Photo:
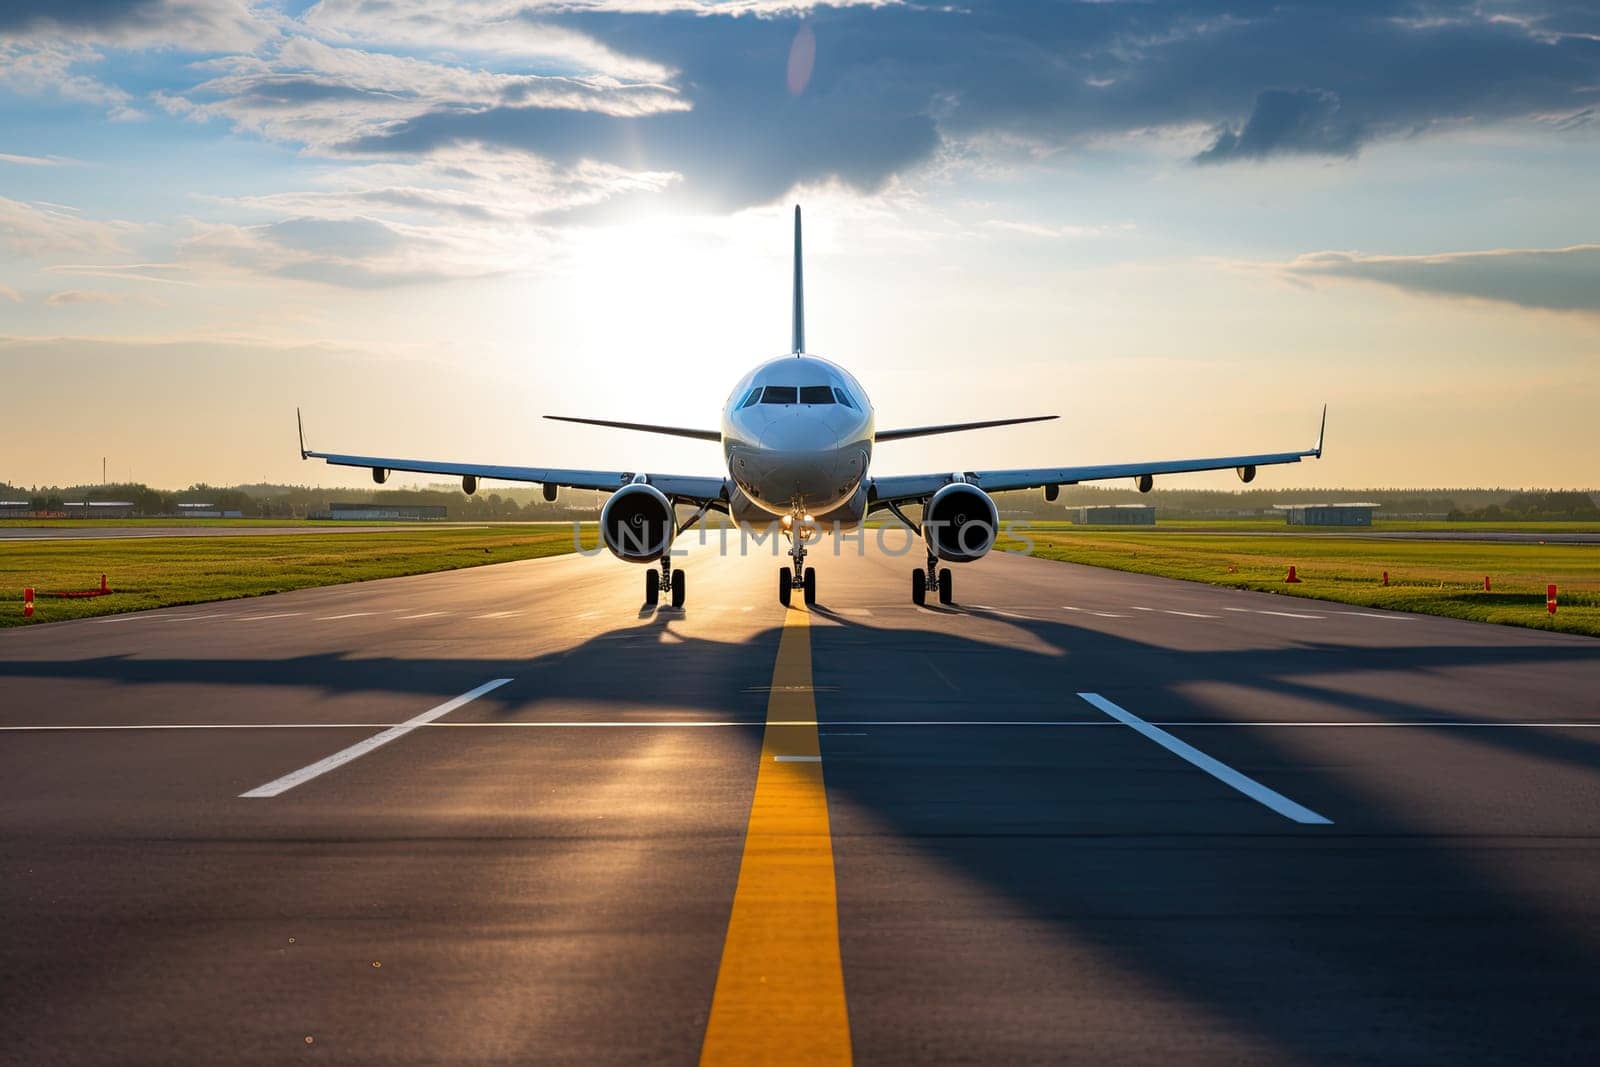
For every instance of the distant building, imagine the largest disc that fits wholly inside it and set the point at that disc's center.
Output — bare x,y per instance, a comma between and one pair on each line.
99,509
14,508
391,512
1328,514
1114,515
208,511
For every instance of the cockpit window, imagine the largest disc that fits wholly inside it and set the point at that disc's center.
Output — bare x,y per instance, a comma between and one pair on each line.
844,397
751,397
816,394
778,394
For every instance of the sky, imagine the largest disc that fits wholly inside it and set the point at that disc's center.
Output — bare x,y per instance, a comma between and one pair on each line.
1183,227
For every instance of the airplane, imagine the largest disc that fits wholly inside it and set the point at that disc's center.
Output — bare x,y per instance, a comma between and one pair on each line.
797,437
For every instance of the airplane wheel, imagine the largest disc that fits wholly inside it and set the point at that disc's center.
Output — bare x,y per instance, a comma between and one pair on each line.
677,589
946,586
811,585
784,585
652,587
919,587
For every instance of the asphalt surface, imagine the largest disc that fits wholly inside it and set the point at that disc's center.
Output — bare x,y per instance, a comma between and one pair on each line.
546,873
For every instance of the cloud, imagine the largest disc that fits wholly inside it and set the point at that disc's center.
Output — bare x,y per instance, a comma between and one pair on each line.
68,297
359,253
37,161
167,273
1068,230
1558,279
317,95
896,86
40,230
194,25
10,294
48,68
1308,122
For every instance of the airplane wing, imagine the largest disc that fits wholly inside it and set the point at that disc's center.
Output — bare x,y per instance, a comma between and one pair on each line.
909,487
646,427
688,487
953,427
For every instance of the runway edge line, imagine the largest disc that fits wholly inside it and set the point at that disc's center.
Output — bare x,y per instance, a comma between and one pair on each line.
780,986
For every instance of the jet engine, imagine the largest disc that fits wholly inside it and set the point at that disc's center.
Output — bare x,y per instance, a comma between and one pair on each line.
637,524
960,523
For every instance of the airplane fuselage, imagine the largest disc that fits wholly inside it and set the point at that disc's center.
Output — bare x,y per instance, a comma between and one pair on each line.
797,436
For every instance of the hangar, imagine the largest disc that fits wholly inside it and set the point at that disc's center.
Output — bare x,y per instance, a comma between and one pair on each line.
1327,514
1114,515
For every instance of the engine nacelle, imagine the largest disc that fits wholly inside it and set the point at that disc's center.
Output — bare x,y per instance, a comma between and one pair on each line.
1246,474
960,523
380,475
638,524
1145,482
469,484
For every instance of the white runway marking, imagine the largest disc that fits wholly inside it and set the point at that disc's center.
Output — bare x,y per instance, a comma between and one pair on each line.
274,615
1004,613
1216,768
347,615
850,611
141,617
1280,614
796,759
508,614
1375,615
425,615
1097,614
376,741
1185,614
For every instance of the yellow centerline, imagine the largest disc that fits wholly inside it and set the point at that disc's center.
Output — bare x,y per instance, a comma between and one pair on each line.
780,988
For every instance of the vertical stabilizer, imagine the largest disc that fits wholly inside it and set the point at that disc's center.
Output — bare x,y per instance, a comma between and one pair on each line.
799,291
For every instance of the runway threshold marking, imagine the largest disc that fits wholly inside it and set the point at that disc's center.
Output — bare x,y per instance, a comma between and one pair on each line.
305,774
779,996
1214,767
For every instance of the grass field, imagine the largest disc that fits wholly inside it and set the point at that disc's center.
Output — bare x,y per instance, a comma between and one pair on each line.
162,571
1432,577
1275,525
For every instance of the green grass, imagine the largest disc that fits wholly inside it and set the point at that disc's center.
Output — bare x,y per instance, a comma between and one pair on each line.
1431,577
1276,525
307,524
161,571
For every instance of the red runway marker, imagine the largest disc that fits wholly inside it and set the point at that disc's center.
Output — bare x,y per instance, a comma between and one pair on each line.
1550,599
27,603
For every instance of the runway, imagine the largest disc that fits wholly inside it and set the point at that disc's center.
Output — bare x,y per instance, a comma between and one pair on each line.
504,815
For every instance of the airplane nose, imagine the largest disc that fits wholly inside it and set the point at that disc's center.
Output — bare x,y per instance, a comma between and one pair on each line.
798,433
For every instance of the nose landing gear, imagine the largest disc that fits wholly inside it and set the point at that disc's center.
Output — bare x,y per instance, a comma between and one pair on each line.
799,576
666,581
934,579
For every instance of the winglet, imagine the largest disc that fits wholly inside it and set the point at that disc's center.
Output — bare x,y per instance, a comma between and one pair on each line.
799,345
301,426
1321,431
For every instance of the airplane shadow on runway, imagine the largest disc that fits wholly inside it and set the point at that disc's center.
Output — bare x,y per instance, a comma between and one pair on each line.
1377,938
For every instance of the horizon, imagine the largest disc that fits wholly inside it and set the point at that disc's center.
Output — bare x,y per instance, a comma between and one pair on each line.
430,224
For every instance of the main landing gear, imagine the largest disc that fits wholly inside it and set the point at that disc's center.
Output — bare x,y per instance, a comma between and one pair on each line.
935,578
799,576
666,581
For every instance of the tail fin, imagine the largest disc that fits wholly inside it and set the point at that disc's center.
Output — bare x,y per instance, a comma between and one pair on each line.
799,291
